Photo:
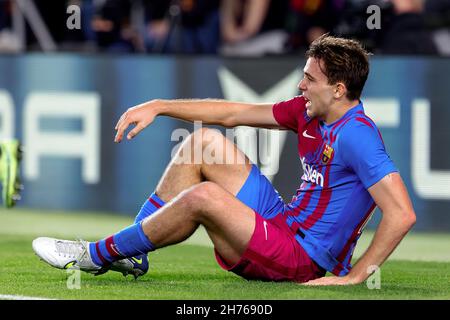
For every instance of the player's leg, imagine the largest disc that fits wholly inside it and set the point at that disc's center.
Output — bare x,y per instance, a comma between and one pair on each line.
205,155
228,221
229,167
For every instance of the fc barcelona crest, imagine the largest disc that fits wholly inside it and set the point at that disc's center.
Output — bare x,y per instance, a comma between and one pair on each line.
327,154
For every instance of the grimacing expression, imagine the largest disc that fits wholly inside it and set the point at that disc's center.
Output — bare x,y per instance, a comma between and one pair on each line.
315,89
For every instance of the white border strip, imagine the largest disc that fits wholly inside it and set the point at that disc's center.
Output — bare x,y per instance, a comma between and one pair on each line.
15,297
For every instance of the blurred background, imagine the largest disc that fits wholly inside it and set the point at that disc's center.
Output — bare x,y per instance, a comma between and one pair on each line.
69,69
224,27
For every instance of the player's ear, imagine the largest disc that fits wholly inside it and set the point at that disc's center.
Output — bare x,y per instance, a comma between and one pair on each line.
340,90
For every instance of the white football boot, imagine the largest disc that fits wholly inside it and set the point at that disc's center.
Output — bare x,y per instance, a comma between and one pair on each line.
65,254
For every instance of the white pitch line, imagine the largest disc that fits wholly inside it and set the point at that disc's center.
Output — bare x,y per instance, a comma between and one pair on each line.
16,297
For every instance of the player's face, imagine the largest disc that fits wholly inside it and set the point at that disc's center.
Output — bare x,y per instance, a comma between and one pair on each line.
316,90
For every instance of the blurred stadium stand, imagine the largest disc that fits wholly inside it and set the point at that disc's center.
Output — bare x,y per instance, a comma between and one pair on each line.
232,27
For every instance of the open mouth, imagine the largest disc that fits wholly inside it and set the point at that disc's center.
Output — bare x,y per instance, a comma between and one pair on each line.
308,102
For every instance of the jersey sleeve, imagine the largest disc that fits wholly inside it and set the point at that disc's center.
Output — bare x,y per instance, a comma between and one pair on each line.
363,151
289,113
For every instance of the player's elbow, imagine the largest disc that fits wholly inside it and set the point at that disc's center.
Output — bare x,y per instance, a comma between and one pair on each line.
228,122
412,219
403,218
408,218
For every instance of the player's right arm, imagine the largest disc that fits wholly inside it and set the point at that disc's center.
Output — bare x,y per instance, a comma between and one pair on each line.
209,111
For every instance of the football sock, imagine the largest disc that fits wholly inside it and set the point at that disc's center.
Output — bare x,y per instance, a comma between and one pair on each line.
131,239
128,242
150,206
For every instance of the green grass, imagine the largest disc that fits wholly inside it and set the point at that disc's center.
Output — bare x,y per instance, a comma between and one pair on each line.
189,271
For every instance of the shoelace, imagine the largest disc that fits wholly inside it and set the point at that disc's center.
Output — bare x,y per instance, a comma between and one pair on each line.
70,249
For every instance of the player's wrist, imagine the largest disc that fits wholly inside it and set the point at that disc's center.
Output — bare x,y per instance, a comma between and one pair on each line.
158,106
355,278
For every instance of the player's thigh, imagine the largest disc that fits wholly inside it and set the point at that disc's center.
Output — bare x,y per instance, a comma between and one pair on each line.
228,222
223,162
226,165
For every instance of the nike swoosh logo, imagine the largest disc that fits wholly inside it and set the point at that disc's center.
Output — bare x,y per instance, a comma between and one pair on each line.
138,261
306,135
265,227
113,248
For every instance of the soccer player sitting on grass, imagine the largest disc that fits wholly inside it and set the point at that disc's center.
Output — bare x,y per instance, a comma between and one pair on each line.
347,173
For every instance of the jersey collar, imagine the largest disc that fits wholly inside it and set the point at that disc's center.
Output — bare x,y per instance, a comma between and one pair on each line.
358,108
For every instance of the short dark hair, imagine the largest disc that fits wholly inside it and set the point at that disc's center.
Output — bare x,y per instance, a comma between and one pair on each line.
344,60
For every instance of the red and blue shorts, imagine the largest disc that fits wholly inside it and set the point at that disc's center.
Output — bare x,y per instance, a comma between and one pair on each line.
272,253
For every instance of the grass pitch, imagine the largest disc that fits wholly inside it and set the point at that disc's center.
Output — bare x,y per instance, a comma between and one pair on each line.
419,269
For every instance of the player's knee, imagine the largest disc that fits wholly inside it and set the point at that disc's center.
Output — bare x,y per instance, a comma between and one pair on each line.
207,136
203,196
206,192
197,139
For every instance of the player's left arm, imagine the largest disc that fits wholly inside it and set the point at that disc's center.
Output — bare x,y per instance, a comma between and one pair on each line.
398,218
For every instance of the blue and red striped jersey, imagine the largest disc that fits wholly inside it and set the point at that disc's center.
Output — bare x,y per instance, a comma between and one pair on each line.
340,162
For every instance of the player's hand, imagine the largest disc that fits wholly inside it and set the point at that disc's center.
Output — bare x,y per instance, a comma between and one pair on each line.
331,281
140,116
